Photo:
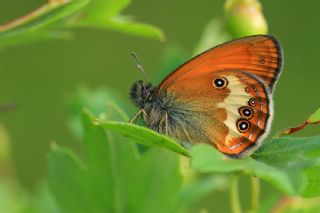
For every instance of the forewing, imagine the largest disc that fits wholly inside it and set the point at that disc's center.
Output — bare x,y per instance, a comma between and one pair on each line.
260,55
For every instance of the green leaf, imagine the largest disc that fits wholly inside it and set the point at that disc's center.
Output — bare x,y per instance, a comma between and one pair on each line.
107,15
213,34
289,164
205,158
289,151
125,25
299,157
33,36
315,117
144,136
202,187
101,9
114,177
100,101
311,182
56,17
49,13
172,58
73,193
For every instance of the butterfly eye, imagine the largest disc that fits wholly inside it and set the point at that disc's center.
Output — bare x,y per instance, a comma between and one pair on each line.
246,112
243,125
145,93
252,102
220,83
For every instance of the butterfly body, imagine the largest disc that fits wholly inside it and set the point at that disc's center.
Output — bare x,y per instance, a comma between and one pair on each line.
221,97
165,114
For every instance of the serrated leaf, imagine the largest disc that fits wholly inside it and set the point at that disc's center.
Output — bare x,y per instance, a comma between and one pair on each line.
299,157
289,151
207,159
72,194
114,177
144,136
289,164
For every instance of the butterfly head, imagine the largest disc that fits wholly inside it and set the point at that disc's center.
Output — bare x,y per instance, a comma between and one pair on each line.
141,93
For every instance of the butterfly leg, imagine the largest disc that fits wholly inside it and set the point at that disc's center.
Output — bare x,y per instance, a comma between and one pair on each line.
144,113
166,123
135,118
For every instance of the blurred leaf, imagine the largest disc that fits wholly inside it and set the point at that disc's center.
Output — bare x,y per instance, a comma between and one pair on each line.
311,182
202,187
144,136
205,158
98,101
56,17
70,183
268,203
31,26
123,24
115,178
171,59
43,200
33,36
213,34
313,119
101,9
296,205
106,15
14,199
49,13
289,164
126,25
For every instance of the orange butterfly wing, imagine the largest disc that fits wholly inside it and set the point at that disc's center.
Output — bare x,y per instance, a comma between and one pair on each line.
260,54
233,118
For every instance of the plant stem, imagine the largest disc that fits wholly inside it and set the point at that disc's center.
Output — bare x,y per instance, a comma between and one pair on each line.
234,194
255,193
50,5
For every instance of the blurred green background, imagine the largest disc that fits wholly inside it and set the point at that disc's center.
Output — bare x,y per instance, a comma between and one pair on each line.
42,76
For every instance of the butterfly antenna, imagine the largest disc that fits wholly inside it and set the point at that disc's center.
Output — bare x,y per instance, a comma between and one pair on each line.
139,65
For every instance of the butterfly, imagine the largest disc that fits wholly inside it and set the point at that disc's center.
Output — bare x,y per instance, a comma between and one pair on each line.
221,97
